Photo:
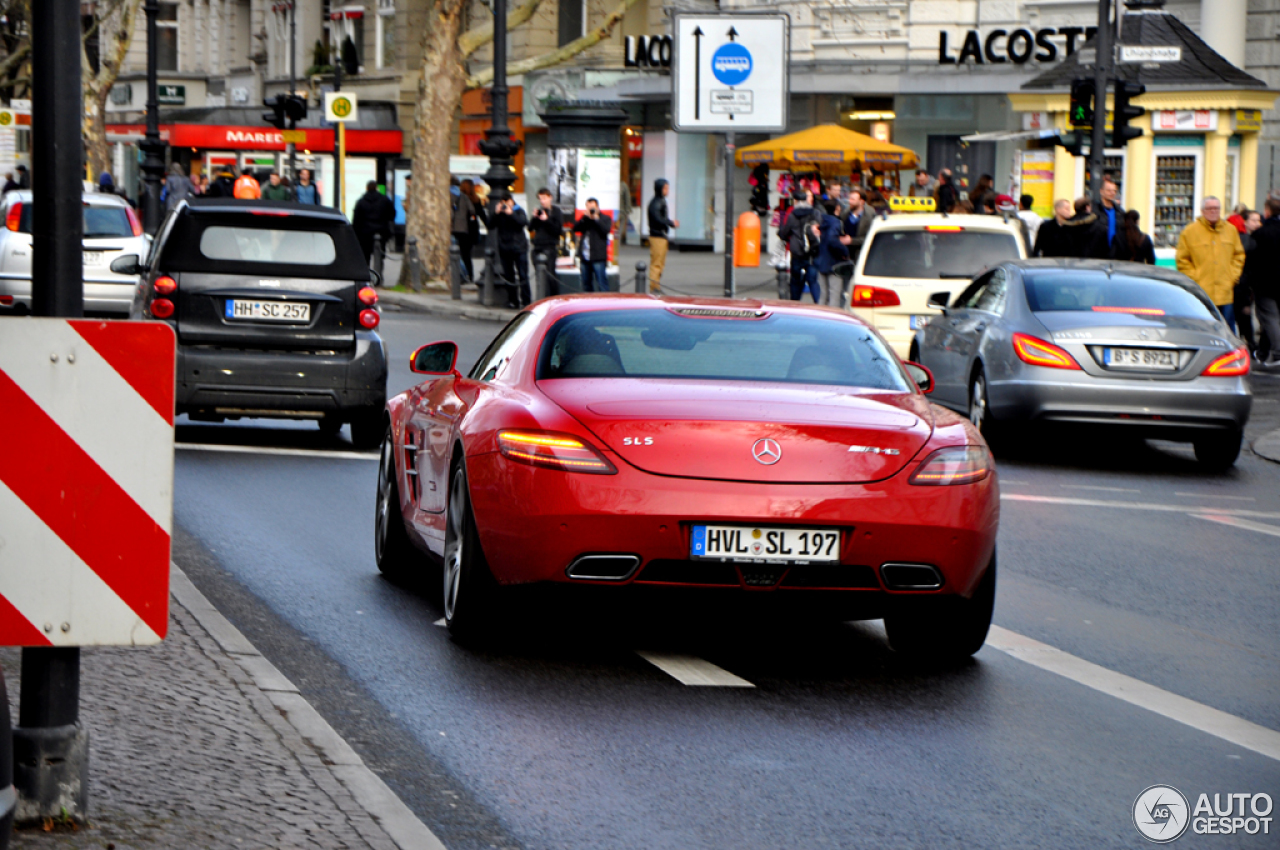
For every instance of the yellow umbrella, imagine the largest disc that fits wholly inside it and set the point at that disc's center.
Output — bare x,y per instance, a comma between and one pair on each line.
826,146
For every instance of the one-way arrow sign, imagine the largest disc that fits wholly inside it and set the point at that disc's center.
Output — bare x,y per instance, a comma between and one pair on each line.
746,75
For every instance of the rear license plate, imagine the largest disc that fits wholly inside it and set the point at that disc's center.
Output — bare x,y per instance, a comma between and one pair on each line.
271,311
779,545
918,322
93,258
1140,358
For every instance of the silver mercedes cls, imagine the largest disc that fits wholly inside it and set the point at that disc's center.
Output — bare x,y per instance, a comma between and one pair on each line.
1090,342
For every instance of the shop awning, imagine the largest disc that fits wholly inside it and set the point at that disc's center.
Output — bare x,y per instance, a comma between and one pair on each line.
825,146
1012,135
259,138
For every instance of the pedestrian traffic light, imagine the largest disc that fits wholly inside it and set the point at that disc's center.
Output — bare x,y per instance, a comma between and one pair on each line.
1121,132
1082,103
295,107
760,188
276,117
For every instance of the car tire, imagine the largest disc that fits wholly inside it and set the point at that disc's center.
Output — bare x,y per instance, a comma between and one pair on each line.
470,591
1218,451
943,630
330,426
394,553
980,408
367,428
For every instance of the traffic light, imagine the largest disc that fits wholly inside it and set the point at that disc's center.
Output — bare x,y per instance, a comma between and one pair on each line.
295,107
1073,142
760,189
1121,132
276,117
1082,101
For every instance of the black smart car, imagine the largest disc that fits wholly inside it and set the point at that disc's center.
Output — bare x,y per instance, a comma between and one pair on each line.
274,310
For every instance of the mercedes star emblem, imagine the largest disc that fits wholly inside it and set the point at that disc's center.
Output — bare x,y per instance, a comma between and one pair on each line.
767,451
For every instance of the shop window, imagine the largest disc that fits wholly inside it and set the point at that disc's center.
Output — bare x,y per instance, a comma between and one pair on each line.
385,35
573,20
167,37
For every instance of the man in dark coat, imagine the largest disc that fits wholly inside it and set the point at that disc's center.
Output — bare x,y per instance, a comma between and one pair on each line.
546,224
513,248
800,232
1053,239
1088,231
593,230
946,191
660,226
1266,285
373,214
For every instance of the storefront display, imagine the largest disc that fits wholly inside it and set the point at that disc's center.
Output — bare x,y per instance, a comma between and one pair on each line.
1175,192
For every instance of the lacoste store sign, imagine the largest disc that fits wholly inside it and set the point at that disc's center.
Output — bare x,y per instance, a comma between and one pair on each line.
1020,46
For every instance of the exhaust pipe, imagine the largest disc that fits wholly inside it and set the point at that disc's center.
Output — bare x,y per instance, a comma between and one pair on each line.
910,576
603,567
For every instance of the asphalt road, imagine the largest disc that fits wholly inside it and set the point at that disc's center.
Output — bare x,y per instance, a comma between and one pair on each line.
1124,556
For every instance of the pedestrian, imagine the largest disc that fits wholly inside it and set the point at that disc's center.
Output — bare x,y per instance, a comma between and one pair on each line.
924,186
660,226
306,192
9,183
201,185
1210,253
372,215
106,183
246,186
1029,219
983,193
513,249
24,177
833,254
276,190
1266,286
1111,209
1131,244
465,225
223,185
177,187
1242,298
1088,233
593,230
1238,217
857,224
947,196
802,236
546,225
1053,238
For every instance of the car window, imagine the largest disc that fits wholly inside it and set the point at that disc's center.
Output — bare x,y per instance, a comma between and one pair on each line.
992,297
100,222
1073,291
969,298
937,251
162,235
263,245
665,344
490,364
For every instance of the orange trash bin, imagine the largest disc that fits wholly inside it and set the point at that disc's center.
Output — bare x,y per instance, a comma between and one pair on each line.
746,241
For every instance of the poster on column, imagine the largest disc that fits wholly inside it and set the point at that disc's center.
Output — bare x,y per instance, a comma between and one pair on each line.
1037,181
599,176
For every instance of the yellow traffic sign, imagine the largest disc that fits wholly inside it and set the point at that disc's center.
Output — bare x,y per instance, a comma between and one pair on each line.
340,106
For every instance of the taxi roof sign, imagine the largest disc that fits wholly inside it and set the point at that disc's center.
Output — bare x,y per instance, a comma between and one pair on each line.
902,203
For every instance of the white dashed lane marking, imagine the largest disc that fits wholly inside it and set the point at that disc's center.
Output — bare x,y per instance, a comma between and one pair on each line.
1137,506
1237,522
1215,496
1103,489
691,670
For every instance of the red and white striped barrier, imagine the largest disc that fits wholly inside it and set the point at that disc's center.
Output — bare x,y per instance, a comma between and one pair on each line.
86,481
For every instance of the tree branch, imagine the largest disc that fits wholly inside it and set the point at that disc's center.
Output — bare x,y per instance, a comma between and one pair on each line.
476,37
555,57
14,59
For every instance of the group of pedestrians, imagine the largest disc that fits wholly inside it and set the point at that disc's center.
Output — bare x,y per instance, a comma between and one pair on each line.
824,243
1078,230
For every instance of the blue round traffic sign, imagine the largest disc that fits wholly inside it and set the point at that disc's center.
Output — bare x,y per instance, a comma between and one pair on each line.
731,64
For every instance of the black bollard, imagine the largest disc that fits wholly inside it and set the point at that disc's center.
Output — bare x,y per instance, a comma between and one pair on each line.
415,264
487,295
455,270
784,281
540,275
642,277
378,258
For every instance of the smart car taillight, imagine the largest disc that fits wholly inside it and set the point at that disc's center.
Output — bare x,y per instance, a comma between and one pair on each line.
162,308
953,465
553,450
1037,352
165,285
1232,364
13,217
874,296
368,296
369,319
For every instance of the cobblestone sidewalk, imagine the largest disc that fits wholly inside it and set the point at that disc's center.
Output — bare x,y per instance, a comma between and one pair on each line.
188,750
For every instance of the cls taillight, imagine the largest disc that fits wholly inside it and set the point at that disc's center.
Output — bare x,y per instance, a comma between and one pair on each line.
1037,352
165,285
953,465
134,221
13,217
552,450
1232,364
162,308
874,296
368,296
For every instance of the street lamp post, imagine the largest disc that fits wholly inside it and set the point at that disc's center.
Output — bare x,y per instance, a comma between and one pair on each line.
498,144
152,146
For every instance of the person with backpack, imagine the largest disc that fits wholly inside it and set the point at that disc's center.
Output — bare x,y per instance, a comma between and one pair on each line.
832,253
802,235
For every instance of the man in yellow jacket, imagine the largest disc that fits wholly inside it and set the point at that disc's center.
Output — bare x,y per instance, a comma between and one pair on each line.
1210,253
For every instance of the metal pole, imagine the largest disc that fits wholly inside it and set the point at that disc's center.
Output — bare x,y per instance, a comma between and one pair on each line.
539,275
152,146
378,256
1101,73
455,267
50,748
730,284
642,277
337,160
497,145
293,61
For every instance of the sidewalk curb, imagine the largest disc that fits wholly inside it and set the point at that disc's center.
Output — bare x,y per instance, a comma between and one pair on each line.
423,303
366,787
1268,446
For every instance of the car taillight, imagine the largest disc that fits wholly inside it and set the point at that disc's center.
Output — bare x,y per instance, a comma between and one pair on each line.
368,296
1135,311
165,285
162,308
369,319
553,451
874,296
1037,352
953,465
13,217
134,221
1230,365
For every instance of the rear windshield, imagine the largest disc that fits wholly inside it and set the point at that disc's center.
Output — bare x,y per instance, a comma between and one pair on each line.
99,222
662,344
1097,293
936,254
304,247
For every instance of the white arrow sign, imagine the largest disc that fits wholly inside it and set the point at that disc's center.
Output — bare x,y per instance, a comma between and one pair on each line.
729,73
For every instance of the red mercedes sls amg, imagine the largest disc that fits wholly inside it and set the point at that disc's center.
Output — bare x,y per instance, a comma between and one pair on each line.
759,446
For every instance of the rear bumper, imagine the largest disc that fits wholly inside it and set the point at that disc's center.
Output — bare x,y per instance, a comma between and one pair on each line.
112,294
564,516
236,382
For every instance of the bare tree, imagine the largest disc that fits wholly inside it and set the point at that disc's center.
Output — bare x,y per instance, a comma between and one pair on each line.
114,22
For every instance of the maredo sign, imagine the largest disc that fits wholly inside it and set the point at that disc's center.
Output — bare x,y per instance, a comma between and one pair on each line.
214,137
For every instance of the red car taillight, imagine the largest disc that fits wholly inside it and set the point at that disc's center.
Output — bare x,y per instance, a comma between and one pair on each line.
162,308
13,217
1230,365
134,222
553,451
165,285
874,296
953,465
368,296
1037,352
369,319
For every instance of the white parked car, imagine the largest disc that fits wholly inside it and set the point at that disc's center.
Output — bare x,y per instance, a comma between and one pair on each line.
111,229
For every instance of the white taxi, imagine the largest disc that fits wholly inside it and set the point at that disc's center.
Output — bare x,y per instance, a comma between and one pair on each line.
909,257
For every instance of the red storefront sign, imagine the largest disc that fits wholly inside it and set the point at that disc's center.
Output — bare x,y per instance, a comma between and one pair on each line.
223,137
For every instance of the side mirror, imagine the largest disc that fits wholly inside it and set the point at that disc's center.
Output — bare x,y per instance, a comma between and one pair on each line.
127,264
438,358
939,300
921,375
